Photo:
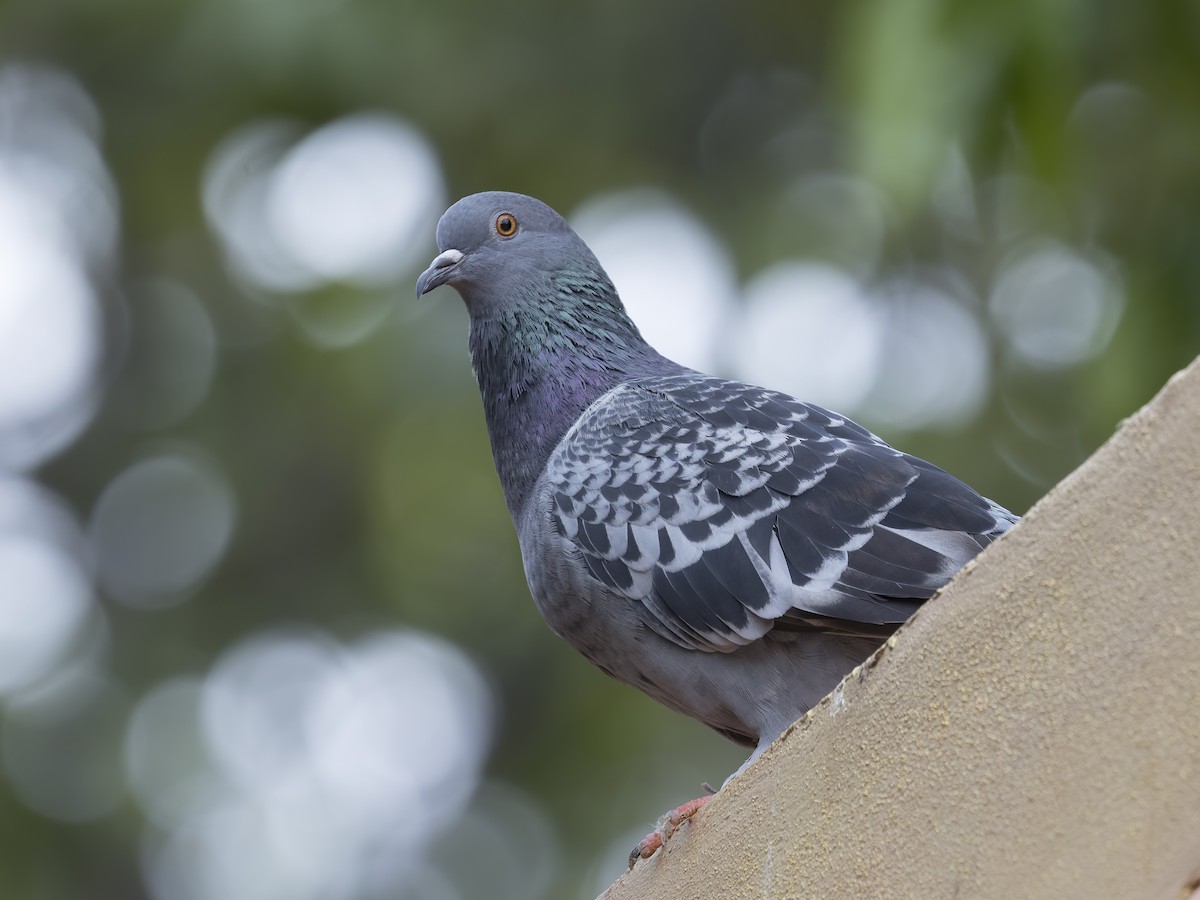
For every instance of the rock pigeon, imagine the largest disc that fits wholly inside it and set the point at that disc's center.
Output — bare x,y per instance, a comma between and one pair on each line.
728,549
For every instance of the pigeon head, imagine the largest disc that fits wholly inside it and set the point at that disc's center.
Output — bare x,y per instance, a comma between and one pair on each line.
497,247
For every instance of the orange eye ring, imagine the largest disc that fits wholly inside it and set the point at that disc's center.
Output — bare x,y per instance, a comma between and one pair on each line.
506,225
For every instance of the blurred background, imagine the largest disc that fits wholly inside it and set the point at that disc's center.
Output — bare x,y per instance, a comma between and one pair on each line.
264,631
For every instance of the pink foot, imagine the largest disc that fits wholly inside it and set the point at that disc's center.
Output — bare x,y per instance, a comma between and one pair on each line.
666,827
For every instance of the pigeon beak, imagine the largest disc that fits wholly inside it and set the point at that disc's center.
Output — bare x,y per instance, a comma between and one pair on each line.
439,271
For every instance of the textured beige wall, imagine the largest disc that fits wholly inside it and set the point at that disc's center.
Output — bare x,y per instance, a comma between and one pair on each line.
1033,732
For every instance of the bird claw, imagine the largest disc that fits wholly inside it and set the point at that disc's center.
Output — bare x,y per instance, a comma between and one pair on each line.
645,847
666,827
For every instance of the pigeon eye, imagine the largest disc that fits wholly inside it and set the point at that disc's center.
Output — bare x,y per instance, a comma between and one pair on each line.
506,224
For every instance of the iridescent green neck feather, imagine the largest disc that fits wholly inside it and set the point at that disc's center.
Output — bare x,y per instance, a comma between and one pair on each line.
541,358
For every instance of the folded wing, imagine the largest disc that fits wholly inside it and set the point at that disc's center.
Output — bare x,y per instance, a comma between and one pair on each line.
727,510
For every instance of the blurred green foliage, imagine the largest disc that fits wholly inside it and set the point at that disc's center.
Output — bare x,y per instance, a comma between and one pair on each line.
365,492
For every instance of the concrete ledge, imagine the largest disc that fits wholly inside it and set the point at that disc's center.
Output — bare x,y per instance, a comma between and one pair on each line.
1033,732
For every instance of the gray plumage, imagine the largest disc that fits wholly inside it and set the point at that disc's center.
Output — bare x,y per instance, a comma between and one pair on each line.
728,549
